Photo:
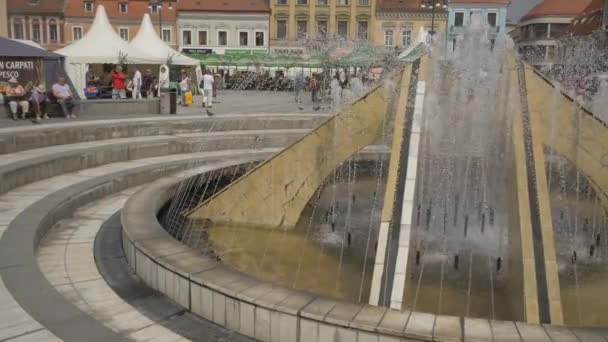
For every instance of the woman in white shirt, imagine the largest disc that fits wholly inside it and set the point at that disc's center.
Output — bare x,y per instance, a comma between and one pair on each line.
184,87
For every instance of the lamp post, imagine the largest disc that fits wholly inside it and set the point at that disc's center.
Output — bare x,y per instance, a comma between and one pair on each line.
157,6
434,5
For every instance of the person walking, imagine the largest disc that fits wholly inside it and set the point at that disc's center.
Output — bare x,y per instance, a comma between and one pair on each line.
16,97
314,88
63,94
146,84
137,85
118,84
208,90
299,86
184,87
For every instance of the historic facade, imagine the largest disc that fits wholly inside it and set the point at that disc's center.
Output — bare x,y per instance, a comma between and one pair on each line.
3,19
125,17
493,14
223,27
398,22
540,30
38,20
293,21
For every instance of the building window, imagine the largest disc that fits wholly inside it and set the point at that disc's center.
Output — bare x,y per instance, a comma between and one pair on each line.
124,33
302,2
222,38
88,7
281,2
322,2
166,35
53,31
281,29
343,28
459,19
539,31
154,9
18,29
302,27
322,28
36,31
362,30
388,38
76,33
187,37
406,38
492,19
123,7
259,39
202,37
243,38
343,2
363,2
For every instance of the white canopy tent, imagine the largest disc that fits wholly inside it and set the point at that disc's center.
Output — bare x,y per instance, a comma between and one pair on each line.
101,44
148,42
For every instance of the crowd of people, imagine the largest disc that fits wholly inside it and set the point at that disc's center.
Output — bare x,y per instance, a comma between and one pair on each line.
33,101
119,85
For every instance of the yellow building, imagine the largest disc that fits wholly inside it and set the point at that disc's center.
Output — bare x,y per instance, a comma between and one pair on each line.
3,19
398,22
292,21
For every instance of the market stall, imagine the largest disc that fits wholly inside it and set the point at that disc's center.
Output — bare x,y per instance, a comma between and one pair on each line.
100,45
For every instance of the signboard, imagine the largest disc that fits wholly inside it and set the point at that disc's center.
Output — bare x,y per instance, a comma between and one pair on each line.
199,51
244,52
287,51
24,70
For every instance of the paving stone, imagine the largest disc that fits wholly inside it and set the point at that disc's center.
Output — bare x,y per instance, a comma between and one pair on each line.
504,331
447,328
394,322
477,330
318,308
420,325
343,313
309,331
529,332
368,318
262,324
560,334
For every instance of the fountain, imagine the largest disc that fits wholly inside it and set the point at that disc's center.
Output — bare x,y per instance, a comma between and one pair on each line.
484,204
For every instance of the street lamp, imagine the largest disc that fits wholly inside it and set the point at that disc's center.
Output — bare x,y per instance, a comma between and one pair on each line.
157,6
434,5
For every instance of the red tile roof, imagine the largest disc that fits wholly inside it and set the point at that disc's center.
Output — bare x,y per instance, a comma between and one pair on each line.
241,6
589,20
556,8
34,6
135,11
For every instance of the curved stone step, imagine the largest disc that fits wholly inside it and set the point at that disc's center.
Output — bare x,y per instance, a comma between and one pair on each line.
17,139
66,258
20,168
29,211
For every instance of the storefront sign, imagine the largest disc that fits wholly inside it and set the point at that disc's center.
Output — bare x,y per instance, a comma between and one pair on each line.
22,70
287,51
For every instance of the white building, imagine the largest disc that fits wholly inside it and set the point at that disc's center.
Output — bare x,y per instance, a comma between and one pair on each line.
223,27
540,29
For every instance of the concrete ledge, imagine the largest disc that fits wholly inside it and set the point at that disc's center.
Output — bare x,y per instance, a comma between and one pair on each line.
122,107
17,139
23,168
18,264
268,312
